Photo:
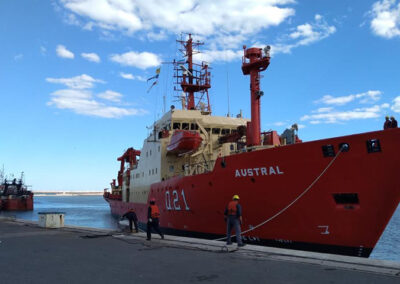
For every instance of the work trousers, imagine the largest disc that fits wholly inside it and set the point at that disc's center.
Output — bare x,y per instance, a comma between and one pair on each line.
136,225
233,223
155,225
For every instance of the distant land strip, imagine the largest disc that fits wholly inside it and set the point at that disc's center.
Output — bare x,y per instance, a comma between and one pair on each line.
66,193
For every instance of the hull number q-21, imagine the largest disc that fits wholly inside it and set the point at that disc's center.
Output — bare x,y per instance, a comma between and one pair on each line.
174,202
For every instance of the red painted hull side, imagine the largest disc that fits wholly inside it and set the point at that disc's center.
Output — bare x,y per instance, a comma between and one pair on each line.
17,203
373,176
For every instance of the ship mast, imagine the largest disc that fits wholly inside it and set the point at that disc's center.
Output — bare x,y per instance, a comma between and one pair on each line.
253,63
192,78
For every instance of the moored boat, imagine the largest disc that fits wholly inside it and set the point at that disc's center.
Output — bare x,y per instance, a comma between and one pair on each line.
15,195
333,195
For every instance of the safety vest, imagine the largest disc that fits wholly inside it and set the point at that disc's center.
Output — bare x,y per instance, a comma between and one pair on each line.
232,207
155,213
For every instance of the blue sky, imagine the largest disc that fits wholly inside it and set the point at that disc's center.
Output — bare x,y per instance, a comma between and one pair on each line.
73,74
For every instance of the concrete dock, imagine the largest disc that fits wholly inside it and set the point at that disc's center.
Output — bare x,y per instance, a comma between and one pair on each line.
30,254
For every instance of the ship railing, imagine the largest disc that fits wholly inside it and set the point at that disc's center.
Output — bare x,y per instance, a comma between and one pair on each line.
198,168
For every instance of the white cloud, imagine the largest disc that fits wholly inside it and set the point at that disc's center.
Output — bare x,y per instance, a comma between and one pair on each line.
157,36
279,123
218,55
82,102
91,57
110,96
142,60
396,104
18,57
129,76
332,115
323,109
386,18
71,19
303,35
341,116
63,52
366,97
234,20
43,50
78,82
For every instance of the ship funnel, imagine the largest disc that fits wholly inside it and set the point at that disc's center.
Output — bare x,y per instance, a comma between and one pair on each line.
253,63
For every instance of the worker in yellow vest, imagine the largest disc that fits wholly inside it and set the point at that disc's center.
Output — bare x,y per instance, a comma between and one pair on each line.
233,218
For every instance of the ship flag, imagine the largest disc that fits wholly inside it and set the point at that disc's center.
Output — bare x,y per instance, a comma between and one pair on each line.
155,76
152,85
158,70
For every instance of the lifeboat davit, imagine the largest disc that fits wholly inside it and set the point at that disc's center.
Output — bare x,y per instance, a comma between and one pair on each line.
184,141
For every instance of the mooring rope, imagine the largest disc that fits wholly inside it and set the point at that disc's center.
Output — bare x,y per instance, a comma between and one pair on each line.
293,202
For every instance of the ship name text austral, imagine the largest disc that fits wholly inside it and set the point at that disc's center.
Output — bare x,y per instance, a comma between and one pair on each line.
262,171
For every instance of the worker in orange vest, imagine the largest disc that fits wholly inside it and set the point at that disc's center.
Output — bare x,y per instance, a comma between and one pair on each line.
153,215
233,218
131,216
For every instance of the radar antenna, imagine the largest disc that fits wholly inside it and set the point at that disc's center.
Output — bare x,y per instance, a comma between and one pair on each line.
192,78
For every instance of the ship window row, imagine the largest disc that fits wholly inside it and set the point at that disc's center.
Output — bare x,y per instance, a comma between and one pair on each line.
151,172
222,131
194,126
148,153
185,126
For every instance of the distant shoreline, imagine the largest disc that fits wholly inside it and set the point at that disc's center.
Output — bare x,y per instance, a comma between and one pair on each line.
67,193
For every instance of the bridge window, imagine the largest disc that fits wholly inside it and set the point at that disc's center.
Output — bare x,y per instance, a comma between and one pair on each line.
216,130
177,125
194,126
185,126
207,129
225,131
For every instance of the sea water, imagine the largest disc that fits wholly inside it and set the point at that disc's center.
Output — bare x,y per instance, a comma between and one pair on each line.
93,211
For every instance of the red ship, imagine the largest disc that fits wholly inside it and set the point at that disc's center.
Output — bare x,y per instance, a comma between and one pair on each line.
14,195
333,195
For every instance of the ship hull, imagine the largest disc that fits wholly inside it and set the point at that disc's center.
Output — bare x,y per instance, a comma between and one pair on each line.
299,195
17,203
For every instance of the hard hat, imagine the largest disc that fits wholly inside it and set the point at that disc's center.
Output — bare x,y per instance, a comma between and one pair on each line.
386,116
392,117
235,197
152,199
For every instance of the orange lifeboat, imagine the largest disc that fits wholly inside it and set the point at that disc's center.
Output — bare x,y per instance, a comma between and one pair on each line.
184,141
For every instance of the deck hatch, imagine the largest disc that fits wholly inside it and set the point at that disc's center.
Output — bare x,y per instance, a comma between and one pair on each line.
328,150
373,146
346,198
